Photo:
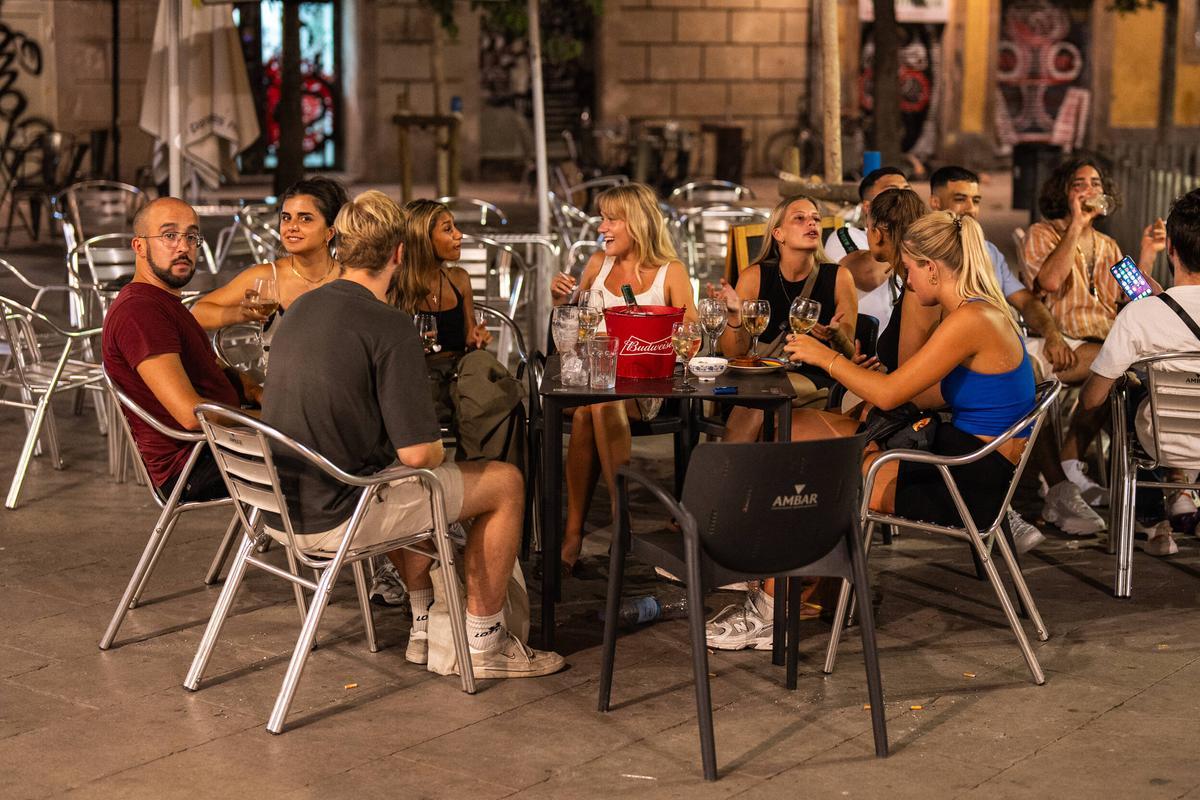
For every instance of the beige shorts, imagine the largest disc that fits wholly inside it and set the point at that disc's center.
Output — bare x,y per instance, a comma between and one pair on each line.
400,508
1036,347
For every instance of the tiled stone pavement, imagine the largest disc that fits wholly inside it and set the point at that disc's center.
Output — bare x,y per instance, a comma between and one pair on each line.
1117,715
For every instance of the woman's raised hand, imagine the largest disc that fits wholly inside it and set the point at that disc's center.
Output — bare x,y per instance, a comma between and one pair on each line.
561,288
728,294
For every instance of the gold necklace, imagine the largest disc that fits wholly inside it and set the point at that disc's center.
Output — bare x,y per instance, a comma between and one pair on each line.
305,278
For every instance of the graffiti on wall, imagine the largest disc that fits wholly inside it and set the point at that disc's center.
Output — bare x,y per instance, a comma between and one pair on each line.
920,57
20,56
1042,73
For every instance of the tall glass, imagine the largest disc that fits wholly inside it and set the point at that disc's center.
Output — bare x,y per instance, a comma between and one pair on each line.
564,326
803,315
591,312
714,315
685,339
755,316
602,361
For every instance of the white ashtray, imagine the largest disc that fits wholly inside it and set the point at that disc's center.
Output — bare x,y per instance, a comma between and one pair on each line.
708,368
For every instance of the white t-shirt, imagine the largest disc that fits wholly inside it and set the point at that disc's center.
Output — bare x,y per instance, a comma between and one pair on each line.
1144,328
1009,284
835,251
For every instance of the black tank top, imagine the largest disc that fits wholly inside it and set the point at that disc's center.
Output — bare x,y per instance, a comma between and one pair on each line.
451,324
780,293
887,346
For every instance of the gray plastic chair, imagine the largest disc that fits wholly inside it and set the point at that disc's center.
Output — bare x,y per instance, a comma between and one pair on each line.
981,542
1173,381
172,509
245,449
752,511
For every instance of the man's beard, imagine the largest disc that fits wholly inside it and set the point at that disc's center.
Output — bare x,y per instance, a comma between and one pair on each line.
168,277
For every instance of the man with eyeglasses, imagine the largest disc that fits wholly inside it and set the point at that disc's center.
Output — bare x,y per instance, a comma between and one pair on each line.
157,353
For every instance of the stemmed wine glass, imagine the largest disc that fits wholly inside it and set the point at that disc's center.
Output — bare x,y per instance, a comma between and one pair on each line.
591,311
803,315
685,339
427,329
755,315
262,299
713,317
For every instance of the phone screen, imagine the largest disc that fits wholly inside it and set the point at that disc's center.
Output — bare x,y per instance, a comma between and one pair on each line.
1130,279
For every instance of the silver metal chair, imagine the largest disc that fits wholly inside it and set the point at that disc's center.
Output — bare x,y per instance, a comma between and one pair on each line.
240,346
245,449
1173,383
172,509
703,234
571,223
499,275
37,378
257,236
982,542
580,194
694,193
39,290
472,213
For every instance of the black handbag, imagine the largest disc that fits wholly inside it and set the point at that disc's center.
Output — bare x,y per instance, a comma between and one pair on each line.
904,427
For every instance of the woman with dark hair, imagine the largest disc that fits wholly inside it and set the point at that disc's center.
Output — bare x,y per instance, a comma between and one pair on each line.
909,323
307,211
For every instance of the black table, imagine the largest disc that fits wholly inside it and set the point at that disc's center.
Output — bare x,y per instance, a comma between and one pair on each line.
769,391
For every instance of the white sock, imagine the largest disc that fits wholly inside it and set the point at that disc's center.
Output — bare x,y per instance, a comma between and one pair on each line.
421,601
485,633
1181,503
763,603
1073,468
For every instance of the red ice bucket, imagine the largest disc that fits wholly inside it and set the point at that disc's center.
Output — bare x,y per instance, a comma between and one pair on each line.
643,339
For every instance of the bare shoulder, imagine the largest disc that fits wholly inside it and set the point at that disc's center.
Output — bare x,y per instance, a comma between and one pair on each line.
460,278
748,282
676,270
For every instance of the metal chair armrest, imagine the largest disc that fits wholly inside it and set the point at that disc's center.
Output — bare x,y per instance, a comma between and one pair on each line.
38,315
141,413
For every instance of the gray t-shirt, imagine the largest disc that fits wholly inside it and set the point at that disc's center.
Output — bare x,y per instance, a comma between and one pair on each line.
347,378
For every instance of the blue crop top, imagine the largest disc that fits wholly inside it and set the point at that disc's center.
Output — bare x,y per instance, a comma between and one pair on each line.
987,405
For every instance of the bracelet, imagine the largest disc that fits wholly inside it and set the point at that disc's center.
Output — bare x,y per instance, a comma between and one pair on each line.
829,369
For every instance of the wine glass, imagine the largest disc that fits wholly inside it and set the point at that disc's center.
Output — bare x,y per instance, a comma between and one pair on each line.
713,317
685,340
755,316
427,329
262,299
803,315
564,327
591,311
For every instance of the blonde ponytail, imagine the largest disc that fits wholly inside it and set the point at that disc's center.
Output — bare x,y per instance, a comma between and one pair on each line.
957,242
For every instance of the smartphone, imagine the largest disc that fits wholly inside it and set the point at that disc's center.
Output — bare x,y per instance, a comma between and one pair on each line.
1130,279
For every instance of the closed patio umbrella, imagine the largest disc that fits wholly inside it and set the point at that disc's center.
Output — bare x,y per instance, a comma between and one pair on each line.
199,103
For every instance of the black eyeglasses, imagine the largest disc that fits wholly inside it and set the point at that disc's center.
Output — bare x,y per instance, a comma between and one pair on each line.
172,238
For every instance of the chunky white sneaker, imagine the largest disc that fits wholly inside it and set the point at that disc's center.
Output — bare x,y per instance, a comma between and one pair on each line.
417,651
737,627
1159,541
513,659
387,589
1092,493
1066,508
1026,536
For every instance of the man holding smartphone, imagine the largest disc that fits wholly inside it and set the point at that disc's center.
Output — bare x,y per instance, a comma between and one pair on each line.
1169,322
1068,261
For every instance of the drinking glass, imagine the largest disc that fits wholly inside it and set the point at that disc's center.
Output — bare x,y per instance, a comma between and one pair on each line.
713,317
591,311
427,329
685,339
803,315
564,326
755,316
261,298
1102,203
573,365
602,361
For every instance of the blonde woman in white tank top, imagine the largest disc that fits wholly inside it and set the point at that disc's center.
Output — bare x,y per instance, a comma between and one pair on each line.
638,252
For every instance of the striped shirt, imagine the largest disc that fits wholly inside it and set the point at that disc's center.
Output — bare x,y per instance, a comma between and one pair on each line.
1084,306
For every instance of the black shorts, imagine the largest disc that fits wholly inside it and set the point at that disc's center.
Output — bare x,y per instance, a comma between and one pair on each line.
204,483
921,492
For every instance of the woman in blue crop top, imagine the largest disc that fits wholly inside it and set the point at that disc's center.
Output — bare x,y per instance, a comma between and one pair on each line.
974,363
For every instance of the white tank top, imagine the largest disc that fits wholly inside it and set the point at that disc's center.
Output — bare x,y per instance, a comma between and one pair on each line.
877,303
656,295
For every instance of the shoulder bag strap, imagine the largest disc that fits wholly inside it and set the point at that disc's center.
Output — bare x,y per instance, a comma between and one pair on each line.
1183,315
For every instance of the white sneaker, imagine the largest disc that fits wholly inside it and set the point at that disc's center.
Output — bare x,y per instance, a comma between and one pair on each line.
1159,541
1026,536
738,627
387,588
1066,508
1092,493
417,650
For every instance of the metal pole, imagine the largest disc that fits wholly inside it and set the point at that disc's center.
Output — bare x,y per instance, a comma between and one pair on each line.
174,123
545,269
832,91
115,133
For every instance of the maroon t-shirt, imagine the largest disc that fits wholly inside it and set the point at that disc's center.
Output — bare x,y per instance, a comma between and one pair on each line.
147,321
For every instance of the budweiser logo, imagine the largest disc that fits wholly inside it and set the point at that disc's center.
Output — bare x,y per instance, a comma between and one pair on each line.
634,346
